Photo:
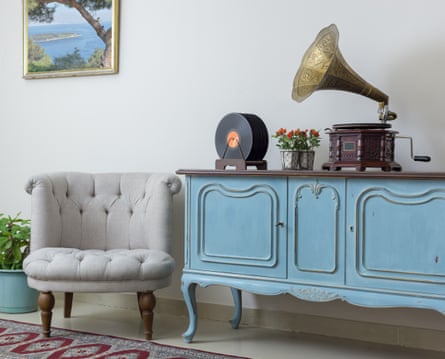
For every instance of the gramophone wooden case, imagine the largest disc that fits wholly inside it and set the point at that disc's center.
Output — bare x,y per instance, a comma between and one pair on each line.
361,146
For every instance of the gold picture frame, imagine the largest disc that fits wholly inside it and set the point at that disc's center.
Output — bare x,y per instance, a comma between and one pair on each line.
79,39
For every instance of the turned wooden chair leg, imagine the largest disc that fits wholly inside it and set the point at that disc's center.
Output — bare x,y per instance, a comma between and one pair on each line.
139,306
46,305
147,302
68,305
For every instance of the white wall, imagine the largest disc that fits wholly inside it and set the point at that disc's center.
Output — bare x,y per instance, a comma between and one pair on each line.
184,64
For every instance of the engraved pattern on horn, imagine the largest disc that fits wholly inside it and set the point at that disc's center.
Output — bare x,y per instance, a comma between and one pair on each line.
324,68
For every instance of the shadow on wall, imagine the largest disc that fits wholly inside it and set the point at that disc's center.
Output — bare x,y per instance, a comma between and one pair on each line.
419,80
178,243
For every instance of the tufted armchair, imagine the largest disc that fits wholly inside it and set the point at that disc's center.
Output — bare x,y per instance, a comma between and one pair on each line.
100,233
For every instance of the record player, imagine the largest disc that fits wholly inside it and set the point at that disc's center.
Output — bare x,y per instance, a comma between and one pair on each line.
357,145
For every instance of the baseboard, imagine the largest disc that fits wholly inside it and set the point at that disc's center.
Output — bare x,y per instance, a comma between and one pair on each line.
410,337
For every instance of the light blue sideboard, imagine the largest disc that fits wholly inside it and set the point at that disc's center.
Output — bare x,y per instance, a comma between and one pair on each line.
369,238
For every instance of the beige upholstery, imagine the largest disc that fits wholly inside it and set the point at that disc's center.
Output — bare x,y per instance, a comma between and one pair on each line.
100,233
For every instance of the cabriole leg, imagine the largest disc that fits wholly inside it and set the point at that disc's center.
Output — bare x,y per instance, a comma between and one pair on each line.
236,293
189,293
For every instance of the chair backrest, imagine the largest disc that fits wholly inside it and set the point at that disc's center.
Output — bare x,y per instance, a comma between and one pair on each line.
102,211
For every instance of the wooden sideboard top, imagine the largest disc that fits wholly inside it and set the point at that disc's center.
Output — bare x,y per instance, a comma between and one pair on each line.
332,174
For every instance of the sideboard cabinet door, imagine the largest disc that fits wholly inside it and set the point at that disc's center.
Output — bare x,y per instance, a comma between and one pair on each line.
239,225
316,230
396,235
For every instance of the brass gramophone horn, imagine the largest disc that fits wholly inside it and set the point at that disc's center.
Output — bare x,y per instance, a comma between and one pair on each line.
324,68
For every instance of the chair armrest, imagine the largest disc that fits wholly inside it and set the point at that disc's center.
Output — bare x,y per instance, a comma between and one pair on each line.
45,213
159,222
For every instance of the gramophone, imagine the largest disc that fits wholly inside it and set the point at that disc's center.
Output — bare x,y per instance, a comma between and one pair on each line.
359,145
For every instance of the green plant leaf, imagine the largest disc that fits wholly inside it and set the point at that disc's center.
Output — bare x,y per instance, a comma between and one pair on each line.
15,235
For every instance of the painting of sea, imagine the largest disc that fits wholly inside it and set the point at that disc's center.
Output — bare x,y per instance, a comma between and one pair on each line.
70,38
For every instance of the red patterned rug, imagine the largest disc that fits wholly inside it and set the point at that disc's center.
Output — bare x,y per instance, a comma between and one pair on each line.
23,340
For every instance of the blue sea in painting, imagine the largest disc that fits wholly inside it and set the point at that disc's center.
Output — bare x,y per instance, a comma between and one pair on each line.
87,41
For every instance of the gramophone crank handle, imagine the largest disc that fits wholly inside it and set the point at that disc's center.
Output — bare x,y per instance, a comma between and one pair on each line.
415,158
422,158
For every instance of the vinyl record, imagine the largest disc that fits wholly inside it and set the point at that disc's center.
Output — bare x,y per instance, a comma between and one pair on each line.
241,136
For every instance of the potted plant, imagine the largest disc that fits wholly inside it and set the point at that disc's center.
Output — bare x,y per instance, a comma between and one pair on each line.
297,147
15,295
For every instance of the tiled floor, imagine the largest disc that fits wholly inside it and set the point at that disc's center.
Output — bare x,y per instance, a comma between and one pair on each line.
219,337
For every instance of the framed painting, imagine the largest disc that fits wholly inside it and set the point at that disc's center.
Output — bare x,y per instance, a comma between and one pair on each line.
70,38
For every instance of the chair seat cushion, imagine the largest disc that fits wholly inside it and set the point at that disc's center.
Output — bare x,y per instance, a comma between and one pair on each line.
69,264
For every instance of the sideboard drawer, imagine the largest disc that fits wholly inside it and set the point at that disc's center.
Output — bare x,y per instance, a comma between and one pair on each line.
239,226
